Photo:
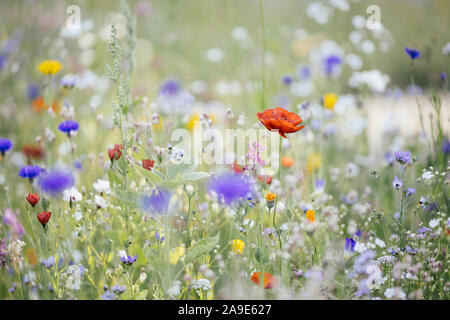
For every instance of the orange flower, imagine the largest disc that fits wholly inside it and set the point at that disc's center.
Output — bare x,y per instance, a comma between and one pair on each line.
310,215
39,105
269,280
287,161
281,120
31,256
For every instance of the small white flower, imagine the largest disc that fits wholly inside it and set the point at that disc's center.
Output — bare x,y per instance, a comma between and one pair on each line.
100,202
102,186
434,223
78,215
72,194
360,247
389,293
380,243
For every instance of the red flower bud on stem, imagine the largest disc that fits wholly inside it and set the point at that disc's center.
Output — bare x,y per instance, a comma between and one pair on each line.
43,217
33,199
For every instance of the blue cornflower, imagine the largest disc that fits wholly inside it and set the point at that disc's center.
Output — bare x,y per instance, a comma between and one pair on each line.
33,91
287,80
128,260
446,147
403,157
170,87
159,238
68,126
117,289
397,183
304,72
423,230
319,184
410,192
389,158
56,181
362,261
30,172
413,53
350,244
48,263
330,64
5,145
108,295
443,77
230,187
158,201
410,250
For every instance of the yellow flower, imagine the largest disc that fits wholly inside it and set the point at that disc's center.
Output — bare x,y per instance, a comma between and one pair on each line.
190,124
329,100
270,196
175,254
49,67
310,215
313,162
238,246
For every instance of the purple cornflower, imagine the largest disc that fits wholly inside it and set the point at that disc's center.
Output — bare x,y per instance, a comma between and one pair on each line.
230,187
48,263
170,87
362,261
128,260
287,80
30,172
350,244
319,184
158,201
117,289
330,64
422,202
10,218
5,145
410,192
159,238
403,157
423,230
68,126
446,147
304,72
443,77
410,250
397,183
413,53
33,91
56,181
389,158
108,295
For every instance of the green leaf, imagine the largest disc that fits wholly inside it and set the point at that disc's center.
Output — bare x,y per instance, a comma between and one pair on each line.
174,170
194,176
136,249
142,295
201,247
153,176
113,178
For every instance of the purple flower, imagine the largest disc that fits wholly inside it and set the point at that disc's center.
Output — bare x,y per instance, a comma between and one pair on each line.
68,126
48,263
10,218
410,192
5,145
304,73
108,295
389,158
410,250
403,157
170,87
443,77
117,289
56,181
128,260
287,80
331,63
159,238
33,91
319,184
413,53
230,187
30,172
158,201
350,244
362,289
446,147
423,230
397,183
362,261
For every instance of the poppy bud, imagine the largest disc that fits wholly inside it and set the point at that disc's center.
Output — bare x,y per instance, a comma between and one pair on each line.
116,152
147,164
43,217
33,199
265,179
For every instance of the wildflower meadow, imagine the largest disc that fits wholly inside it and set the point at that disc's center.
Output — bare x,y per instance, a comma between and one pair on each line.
217,150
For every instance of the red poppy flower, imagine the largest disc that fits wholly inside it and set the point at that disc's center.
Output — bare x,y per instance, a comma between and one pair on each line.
147,164
237,168
265,179
34,152
33,198
281,120
43,217
269,280
116,152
